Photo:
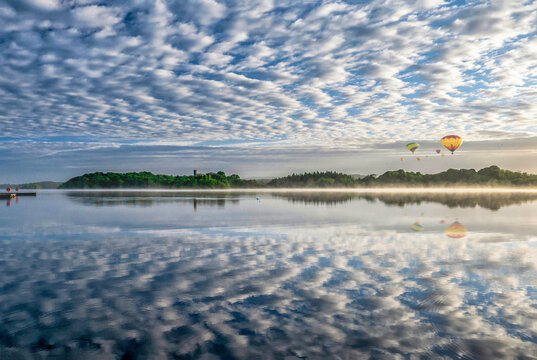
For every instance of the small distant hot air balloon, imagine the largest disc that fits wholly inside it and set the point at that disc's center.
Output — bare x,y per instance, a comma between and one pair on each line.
418,158
17,189
438,151
401,159
456,230
451,142
8,189
412,146
417,227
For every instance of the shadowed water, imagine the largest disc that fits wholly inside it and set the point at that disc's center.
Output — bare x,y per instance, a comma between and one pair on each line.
158,275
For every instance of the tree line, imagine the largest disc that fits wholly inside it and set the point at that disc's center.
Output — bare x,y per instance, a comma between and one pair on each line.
36,185
145,179
489,176
314,179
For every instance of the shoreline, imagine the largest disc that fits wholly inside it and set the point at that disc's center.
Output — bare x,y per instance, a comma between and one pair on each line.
391,190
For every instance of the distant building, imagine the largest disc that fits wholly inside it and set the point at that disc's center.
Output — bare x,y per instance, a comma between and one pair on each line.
195,172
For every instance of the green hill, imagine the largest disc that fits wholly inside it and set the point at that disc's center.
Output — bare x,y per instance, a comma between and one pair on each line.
489,176
315,179
141,180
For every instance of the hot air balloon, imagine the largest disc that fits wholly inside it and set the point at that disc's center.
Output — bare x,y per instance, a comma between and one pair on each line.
438,151
451,142
412,146
401,159
419,158
8,189
456,230
417,227
17,189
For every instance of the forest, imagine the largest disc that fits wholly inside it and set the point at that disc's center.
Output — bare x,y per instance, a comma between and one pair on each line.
145,179
489,176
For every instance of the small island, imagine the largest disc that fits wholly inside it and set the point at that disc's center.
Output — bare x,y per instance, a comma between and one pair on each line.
148,180
489,176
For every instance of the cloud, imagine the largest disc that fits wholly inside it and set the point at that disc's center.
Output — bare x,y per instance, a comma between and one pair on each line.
309,291
95,16
306,74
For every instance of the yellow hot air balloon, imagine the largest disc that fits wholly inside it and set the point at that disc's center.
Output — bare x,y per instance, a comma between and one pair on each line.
419,158
401,159
412,146
417,227
451,142
456,230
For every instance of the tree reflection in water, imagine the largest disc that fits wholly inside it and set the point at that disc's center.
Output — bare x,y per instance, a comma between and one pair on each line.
491,201
150,198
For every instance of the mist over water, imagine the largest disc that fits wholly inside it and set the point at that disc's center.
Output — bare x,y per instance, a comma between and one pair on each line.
242,275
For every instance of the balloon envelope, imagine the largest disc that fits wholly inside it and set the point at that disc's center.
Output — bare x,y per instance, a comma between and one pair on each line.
417,227
8,189
456,230
17,189
451,142
438,151
412,146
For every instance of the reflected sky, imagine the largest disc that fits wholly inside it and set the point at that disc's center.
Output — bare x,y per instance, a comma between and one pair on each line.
114,276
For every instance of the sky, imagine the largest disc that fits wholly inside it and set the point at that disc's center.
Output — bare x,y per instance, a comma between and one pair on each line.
264,88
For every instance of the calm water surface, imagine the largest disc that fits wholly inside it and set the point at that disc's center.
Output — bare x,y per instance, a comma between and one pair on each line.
158,275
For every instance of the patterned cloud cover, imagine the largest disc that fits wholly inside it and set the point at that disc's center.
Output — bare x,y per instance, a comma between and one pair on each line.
88,76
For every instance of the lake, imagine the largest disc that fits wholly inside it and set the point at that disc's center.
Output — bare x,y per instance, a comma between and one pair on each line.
268,275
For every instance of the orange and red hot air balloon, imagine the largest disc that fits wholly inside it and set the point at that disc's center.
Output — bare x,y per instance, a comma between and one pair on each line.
438,151
456,230
17,189
451,142
8,189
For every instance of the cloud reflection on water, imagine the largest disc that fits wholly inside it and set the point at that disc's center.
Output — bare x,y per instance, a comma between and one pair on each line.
268,279
336,292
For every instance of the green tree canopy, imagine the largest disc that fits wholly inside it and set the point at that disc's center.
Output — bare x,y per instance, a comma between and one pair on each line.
110,180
